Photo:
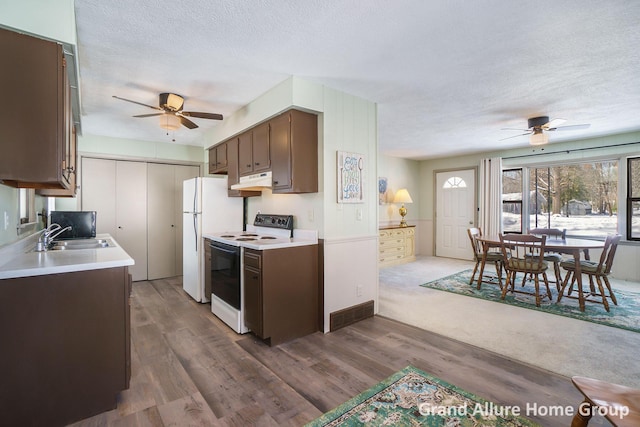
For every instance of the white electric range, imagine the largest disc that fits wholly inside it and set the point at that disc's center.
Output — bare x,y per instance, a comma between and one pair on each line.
268,232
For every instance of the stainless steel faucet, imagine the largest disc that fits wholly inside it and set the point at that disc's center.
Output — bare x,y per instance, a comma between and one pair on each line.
48,234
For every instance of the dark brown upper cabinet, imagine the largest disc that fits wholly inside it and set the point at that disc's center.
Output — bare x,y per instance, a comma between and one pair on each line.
253,150
218,161
287,145
37,126
294,152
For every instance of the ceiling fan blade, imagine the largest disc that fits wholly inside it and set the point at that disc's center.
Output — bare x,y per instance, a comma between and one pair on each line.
136,102
149,115
199,115
572,127
515,136
553,123
186,122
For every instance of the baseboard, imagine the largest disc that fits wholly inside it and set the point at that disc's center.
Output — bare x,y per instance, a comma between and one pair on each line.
348,316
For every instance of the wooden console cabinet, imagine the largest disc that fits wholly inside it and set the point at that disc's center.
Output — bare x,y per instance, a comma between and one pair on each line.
281,292
66,345
396,245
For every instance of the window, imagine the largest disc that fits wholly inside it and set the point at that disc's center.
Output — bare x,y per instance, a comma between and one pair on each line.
455,182
512,200
633,198
579,197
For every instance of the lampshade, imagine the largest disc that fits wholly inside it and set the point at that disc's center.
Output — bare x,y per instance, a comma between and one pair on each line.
402,196
538,137
169,122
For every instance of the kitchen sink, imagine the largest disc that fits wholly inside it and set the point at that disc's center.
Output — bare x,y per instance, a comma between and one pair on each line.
65,245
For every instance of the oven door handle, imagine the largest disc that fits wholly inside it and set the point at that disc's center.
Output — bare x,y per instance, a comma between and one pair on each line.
226,251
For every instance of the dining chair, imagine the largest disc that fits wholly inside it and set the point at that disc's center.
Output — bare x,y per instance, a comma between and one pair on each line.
553,257
524,253
492,256
595,270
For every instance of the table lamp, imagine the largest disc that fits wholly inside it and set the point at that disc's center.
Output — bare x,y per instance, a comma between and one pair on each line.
402,196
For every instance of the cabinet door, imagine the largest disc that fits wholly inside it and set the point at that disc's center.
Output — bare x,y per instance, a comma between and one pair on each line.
245,155
261,151
212,160
33,120
218,158
161,221
253,300
280,134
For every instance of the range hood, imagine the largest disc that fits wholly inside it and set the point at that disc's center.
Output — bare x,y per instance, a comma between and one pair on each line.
258,182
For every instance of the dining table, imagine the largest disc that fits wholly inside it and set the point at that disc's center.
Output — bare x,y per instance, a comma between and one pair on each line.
569,246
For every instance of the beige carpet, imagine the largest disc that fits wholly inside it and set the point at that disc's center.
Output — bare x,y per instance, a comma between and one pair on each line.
560,344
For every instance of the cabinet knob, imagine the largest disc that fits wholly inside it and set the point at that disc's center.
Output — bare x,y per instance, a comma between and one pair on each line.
249,165
120,227
257,163
275,182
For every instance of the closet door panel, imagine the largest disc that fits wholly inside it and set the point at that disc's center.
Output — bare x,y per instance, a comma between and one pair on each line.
131,214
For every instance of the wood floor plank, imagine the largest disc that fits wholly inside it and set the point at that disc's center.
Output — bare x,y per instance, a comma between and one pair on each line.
190,368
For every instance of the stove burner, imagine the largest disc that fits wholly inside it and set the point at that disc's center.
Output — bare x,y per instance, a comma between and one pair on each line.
249,234
244,239
267,237
227,235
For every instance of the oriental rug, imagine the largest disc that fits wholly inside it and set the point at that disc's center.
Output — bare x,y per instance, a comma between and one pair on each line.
411,397
625,315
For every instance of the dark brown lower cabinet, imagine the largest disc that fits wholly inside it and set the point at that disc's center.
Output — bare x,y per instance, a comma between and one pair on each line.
281,292
65,346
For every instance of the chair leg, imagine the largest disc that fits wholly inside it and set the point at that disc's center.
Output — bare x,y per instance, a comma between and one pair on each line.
606,282
546,282
536,281
473,275
556,268
508,281
499,272
604,296
564,284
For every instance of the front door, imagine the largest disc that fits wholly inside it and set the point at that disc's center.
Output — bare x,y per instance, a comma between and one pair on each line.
455,212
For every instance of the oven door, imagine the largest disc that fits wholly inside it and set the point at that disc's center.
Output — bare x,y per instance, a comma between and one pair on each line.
225,273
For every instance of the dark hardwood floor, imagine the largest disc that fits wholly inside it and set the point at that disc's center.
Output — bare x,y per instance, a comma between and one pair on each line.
188,368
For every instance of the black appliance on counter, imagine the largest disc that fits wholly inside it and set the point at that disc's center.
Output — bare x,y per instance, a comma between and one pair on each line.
83,223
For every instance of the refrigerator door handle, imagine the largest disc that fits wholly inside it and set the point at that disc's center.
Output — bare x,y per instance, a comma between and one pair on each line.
195,229
195,197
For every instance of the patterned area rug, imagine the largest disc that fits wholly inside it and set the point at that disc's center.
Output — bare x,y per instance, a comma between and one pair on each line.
412,397
625,315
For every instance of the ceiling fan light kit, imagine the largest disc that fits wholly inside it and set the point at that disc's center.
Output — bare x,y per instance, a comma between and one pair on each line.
169,121
538,137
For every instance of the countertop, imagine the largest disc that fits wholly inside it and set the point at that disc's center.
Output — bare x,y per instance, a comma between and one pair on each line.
22,261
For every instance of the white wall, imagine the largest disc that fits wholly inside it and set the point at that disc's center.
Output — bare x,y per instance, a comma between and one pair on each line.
346,123
55,20
93,144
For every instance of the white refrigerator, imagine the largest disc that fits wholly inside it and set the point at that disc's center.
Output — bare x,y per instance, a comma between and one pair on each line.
206,209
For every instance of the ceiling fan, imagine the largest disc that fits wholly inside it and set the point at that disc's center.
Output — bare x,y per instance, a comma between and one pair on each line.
170,107
538,126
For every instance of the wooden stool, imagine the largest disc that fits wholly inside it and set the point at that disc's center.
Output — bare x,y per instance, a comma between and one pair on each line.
620,405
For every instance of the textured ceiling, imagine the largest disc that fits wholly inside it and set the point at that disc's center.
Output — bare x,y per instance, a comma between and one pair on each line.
447,75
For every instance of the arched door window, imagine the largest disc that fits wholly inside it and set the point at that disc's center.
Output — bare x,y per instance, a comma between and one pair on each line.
455,182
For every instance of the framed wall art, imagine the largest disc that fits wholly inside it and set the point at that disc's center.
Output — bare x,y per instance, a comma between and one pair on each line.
351,173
